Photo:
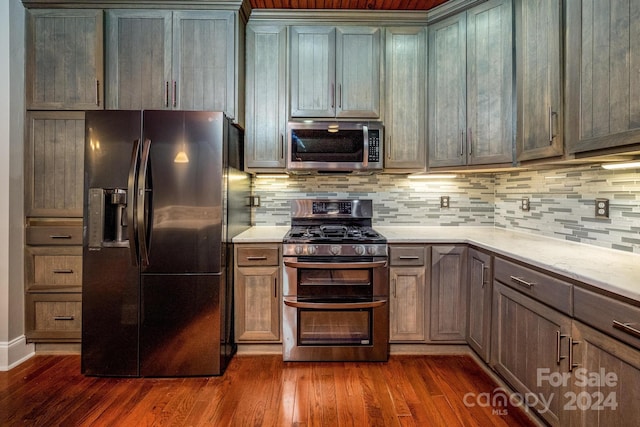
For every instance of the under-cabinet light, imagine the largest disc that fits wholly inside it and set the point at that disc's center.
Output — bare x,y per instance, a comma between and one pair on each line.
623,165
272,176
433,176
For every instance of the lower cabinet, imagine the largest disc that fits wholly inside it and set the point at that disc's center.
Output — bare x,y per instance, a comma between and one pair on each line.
53,317
530,344
605,382
448,299
258,293
479,302
408,289
53,280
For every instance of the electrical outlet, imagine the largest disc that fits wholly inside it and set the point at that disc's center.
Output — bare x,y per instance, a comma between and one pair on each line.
444,201
602,208
524,204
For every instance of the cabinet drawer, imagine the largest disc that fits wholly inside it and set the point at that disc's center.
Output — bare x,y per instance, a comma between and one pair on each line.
554,292
52,316
54,268
407,255
613,317
258,255
54,235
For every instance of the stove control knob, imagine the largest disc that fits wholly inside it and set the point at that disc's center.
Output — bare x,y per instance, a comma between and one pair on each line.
335,249
371,250
311,250
359,249
299,250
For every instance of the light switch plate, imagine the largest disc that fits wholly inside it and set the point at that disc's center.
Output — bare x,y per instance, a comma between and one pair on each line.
524,204
602,208
444,201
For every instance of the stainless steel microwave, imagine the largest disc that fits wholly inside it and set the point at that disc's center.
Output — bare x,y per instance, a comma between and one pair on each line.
330,146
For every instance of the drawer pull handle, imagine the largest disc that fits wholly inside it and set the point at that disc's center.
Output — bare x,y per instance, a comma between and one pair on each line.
63,271
572,365
256,258
522,282
409,257
60,236
63,318
626,327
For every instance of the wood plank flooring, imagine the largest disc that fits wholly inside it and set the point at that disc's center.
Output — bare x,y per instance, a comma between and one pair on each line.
48,390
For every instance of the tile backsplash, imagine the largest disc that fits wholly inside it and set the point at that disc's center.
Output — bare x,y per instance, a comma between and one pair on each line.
563,205
562,201
396,199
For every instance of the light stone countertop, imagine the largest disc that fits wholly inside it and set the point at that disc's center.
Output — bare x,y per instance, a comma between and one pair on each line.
611,270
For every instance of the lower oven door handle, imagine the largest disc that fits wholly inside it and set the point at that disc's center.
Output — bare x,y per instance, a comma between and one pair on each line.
335,265
293,302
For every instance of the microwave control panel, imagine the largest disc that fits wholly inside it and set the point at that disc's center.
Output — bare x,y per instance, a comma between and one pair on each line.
374,145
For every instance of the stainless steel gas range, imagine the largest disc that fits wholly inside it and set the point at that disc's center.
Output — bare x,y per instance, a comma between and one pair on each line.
336,286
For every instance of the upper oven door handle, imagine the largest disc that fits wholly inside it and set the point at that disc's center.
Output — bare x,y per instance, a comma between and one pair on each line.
293,302
335,265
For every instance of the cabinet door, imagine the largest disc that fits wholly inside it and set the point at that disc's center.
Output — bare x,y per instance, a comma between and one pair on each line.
407,304
54,164
529,343
139,60
480,285
64,59
405,80
448,305
539,89
257,304
358,72
603,82
489,83
266,97
203,61
606,381
313,92
447,92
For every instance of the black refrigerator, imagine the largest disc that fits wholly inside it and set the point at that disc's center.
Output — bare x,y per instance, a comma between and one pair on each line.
164,195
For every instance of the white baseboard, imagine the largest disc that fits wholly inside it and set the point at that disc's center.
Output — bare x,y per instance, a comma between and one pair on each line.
15,352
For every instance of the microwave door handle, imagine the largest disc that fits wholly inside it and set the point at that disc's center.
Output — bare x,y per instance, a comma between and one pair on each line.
365,154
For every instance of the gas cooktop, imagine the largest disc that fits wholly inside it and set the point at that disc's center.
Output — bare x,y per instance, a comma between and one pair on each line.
333,233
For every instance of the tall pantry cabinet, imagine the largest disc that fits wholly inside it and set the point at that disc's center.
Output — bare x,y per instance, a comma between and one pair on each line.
64,77
80,59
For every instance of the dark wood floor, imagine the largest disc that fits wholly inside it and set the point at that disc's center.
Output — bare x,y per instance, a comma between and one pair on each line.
258,391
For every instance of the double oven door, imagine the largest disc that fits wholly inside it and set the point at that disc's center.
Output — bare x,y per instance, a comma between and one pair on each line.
336,309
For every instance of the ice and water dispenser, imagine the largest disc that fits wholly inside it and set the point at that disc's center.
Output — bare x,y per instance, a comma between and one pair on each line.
108,217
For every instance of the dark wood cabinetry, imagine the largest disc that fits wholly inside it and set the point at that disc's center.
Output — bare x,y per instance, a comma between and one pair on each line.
538,26
603,82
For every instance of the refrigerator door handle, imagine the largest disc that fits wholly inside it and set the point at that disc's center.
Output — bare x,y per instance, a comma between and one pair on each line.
143,204
131,202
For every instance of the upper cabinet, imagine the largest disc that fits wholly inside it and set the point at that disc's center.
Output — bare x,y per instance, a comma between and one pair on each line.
470,87
538,76
171,60
64,59
405,94
335,72
603,75
266,100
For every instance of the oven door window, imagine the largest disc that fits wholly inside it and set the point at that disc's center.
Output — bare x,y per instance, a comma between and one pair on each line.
334,327
333,283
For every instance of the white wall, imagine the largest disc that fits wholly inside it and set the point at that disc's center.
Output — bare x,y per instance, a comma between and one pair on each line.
13,348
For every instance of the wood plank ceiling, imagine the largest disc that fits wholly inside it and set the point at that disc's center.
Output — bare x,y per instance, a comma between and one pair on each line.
347,4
